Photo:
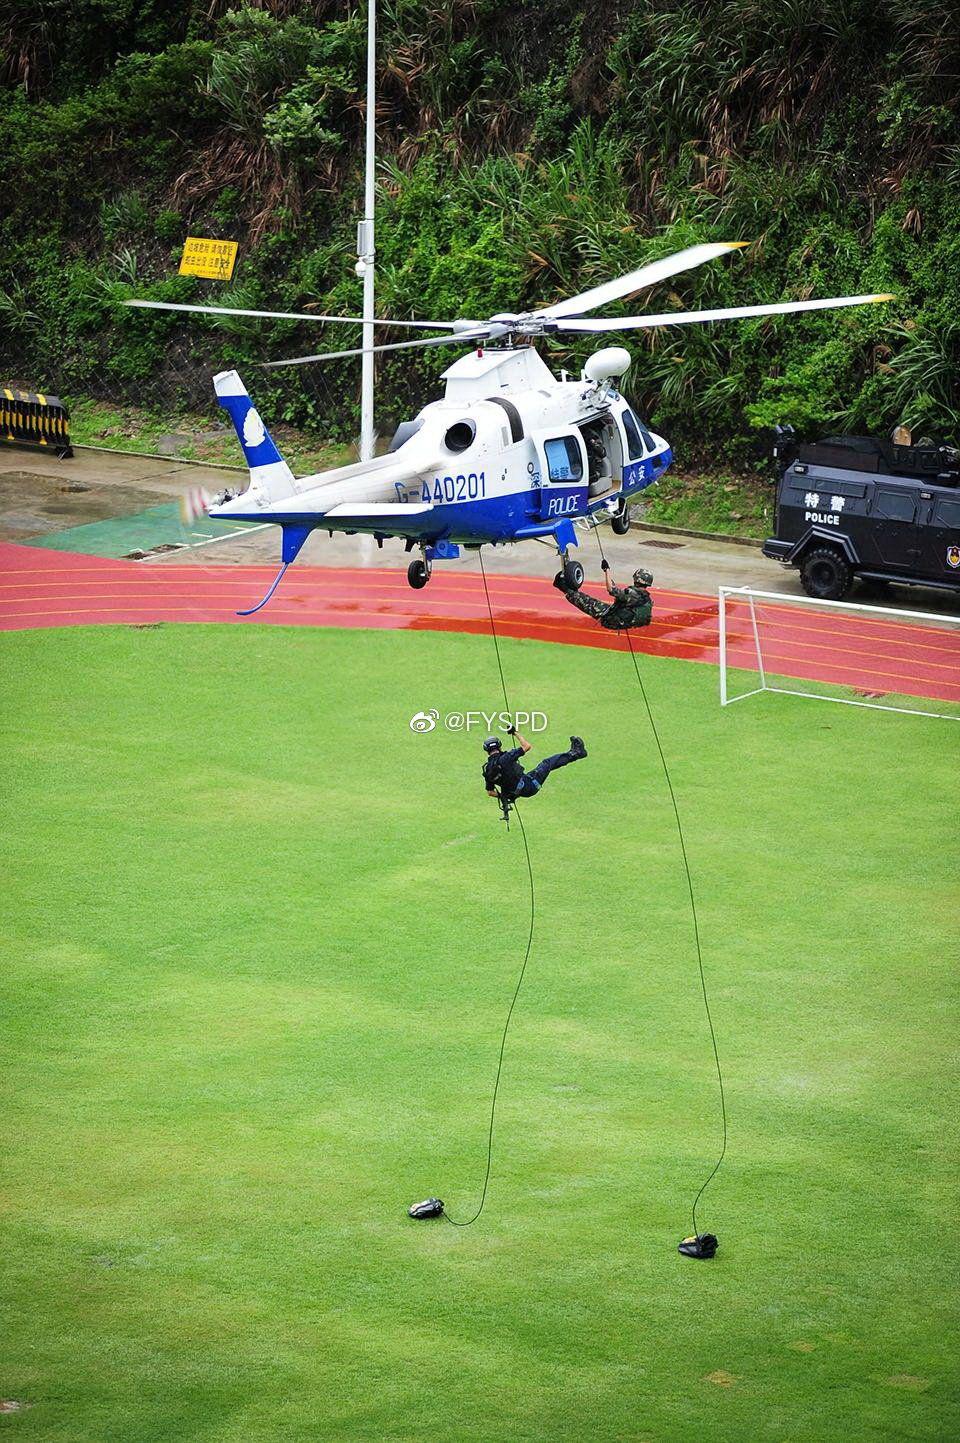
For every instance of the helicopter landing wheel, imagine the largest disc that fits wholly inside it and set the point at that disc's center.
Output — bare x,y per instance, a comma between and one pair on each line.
620,522
418,574
573,574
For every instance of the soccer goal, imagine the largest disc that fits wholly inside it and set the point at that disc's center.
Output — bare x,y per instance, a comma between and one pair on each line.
843,651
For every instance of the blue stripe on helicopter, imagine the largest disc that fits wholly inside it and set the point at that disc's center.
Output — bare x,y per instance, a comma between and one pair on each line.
639,474
493,518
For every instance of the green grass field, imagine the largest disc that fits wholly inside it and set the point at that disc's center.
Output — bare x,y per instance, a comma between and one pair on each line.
259,941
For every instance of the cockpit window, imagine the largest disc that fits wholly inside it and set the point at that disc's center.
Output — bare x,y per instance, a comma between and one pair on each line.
648,440
404,431
638,437
564,462
634,443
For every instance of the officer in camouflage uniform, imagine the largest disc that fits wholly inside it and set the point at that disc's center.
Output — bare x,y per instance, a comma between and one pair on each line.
631,605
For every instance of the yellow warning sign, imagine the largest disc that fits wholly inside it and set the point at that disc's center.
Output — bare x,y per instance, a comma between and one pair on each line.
212,259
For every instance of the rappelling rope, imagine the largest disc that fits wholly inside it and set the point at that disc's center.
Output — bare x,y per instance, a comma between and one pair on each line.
693,909
465,1222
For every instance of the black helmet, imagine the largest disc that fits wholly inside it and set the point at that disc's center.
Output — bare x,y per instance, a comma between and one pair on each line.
492,744
643,578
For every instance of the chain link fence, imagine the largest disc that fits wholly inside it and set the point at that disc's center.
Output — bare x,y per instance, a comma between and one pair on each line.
175,412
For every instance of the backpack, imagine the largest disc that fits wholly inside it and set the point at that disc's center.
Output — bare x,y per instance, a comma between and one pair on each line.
501,774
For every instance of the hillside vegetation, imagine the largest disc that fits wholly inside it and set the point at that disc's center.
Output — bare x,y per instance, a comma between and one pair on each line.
527,150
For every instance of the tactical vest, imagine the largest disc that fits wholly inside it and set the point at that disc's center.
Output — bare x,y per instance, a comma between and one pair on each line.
634,608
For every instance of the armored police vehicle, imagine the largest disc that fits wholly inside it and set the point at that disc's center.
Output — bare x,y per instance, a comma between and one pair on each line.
850,506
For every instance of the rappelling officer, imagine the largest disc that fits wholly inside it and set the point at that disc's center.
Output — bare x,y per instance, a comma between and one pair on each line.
631,605
506,779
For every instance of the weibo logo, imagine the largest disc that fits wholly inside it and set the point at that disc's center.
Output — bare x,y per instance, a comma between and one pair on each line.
253,429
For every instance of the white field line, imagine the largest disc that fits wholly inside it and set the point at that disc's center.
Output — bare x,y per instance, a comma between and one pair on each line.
209,540
848,701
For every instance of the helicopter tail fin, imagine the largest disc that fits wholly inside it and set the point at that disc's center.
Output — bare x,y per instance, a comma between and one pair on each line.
268,471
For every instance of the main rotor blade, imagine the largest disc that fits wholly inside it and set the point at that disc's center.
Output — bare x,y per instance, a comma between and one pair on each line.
375,350
287,315
647,275
730,313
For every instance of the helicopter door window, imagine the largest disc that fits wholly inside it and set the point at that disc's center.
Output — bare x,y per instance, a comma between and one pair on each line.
564,462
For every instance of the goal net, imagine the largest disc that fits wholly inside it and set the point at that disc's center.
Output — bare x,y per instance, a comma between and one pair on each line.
842,651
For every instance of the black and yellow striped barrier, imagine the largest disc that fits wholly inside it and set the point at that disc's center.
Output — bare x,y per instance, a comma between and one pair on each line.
29,418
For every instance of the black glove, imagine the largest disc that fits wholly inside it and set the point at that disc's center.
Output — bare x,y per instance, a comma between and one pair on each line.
511,731
604,565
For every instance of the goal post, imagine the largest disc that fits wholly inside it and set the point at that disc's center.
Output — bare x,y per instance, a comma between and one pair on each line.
883,657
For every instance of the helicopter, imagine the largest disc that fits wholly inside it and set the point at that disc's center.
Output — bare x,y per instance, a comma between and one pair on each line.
510,453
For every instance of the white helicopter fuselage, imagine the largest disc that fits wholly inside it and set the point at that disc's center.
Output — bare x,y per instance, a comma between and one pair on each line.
509,453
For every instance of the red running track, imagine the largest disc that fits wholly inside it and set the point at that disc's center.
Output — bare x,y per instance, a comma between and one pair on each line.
41,588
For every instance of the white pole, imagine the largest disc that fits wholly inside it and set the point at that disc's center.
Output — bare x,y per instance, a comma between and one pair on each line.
722,598
365,241
756,642
789,598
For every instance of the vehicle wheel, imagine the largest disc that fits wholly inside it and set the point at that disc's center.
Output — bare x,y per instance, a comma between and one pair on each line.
573,574
825,574
620,524
418,574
